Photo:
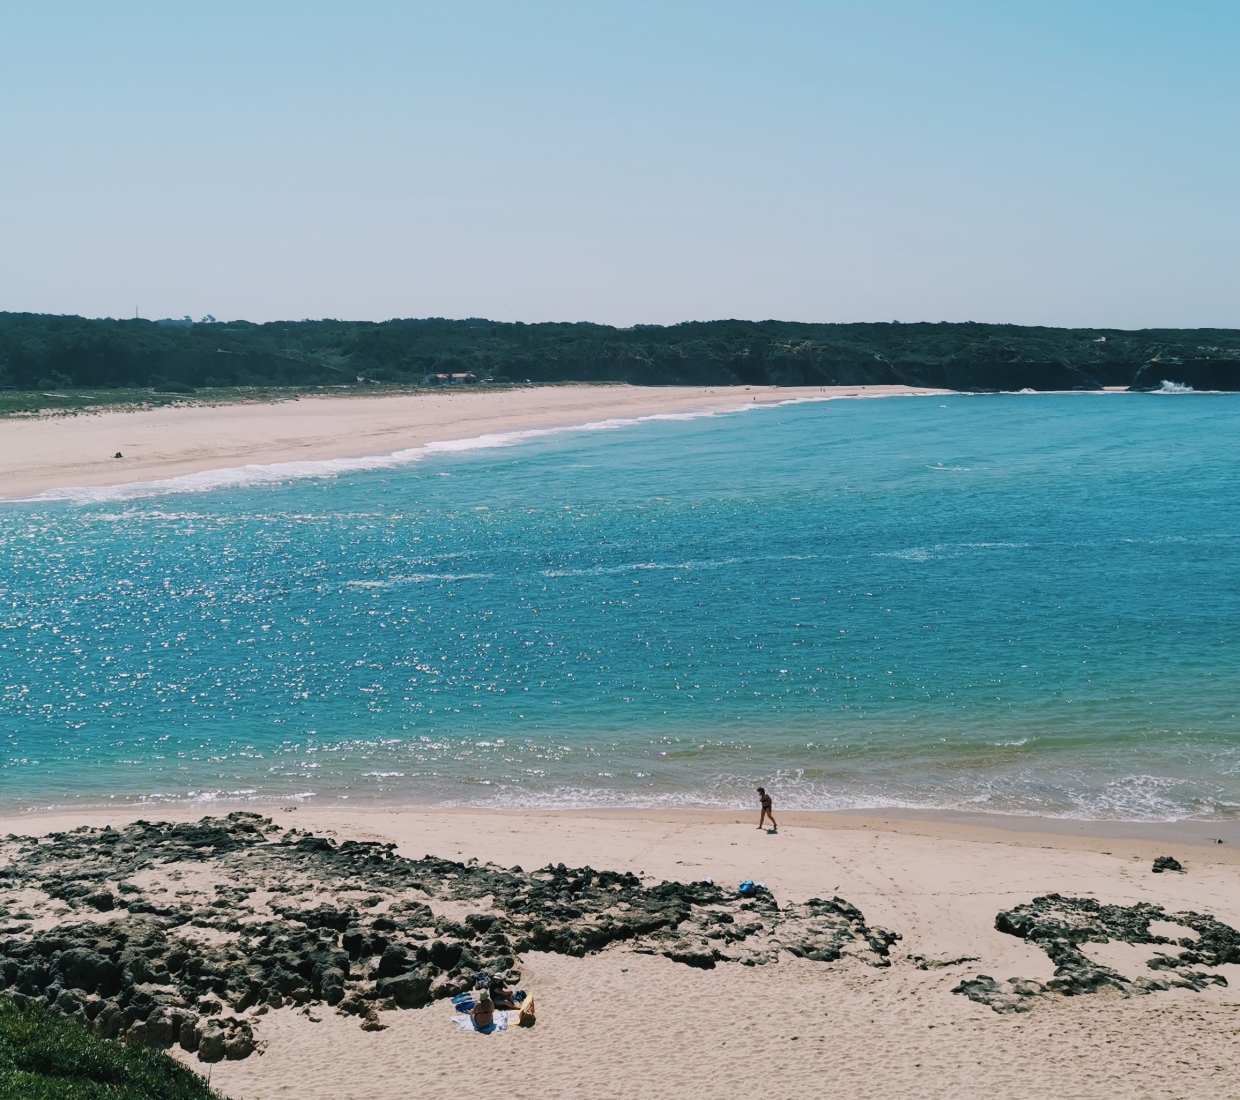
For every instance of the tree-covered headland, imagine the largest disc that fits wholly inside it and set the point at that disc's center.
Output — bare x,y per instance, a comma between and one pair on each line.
42,352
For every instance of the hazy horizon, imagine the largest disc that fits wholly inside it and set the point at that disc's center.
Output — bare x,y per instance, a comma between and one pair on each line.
624,328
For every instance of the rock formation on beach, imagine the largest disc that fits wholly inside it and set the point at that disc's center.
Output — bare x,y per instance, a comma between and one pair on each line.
1061,925
182,933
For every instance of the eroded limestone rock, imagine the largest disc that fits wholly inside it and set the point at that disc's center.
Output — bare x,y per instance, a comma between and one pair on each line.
176,930
1059,926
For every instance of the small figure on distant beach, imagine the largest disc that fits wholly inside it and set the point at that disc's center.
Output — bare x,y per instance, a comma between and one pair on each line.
765,799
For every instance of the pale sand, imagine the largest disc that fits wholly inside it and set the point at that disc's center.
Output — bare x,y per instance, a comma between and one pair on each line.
620,1024
58,451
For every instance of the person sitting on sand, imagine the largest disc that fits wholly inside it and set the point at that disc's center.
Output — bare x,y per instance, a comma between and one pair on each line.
483,1013
500,994
765,799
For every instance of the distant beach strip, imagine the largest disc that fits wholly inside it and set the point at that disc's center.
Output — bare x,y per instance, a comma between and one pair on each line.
248,443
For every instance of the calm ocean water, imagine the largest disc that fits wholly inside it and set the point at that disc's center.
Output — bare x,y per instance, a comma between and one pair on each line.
1022,604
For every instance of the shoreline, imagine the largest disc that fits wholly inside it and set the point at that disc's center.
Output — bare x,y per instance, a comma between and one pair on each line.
1133,837
41,454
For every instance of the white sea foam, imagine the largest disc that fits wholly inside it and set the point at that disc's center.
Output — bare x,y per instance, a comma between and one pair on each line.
1173,387
419,578
676,567
915,553
927,553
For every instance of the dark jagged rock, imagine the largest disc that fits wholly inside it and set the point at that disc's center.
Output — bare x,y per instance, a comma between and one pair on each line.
829,927
1059,926
406,989
1166,863
924,963
86,969
394,961
1015,995
325,916
211,1046
331,984
703,959
284,925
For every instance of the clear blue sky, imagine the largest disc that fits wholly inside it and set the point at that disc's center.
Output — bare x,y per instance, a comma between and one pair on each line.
1033,161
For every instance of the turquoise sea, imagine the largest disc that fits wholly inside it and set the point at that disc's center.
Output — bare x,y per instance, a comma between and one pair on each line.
1011,603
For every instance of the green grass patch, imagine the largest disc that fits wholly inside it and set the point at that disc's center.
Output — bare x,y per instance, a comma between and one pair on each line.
44,1057
69,402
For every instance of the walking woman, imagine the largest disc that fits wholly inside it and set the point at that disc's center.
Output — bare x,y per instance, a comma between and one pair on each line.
765,799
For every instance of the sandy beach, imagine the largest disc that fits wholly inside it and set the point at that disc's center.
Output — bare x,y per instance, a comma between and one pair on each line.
55,451
627,1022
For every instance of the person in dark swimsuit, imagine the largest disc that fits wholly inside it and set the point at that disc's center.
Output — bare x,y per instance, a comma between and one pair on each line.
765,799
483,1013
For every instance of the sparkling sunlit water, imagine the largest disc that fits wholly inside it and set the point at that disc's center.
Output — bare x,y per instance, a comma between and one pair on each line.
1011,603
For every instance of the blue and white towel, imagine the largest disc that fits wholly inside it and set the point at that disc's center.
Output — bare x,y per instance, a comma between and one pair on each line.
466,1023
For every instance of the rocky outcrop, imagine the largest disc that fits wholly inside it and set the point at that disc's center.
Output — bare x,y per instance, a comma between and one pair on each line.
287,918
1059,926
1166,863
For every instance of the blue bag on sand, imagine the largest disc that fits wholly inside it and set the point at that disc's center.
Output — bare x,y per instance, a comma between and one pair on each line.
746,888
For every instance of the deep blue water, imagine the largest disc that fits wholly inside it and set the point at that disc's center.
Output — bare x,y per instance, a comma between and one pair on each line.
1009,603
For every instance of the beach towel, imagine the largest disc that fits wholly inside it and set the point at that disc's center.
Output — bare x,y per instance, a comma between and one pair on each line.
466,1023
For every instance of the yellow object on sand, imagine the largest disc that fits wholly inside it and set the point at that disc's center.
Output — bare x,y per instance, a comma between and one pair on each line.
526,1017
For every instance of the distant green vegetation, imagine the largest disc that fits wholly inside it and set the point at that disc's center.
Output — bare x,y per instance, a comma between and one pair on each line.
76,400
42,356
44,1057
